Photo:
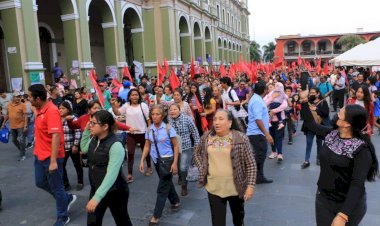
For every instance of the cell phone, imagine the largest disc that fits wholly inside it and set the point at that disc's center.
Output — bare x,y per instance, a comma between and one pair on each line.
304,80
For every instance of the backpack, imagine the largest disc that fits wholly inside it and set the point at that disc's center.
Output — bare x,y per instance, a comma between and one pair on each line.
237,107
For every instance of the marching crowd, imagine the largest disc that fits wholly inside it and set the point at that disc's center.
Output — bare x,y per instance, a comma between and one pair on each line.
217,127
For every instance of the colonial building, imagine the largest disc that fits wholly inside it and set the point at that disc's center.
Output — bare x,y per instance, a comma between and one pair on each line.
109,34
313,46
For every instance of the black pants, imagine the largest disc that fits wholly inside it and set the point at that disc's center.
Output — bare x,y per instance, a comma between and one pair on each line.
165,190
290,126
326,210
117,201
338,98
218,208
77,165
259,146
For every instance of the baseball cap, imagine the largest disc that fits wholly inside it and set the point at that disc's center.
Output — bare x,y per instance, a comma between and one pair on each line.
102,84
126,84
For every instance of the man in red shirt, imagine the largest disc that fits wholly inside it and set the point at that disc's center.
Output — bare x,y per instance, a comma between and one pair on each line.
49,152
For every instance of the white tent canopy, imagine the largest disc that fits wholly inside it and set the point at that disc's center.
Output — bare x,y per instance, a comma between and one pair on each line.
362,55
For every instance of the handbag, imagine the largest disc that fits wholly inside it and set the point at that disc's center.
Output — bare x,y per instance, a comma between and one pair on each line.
4,135
164,164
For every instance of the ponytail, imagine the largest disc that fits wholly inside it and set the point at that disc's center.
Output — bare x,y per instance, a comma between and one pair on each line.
374,170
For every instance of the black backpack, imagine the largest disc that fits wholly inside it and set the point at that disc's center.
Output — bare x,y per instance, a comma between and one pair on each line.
237,107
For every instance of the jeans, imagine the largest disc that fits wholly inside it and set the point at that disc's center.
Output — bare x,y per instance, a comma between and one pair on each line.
122,137
290,126
218,208
309,144
326,210
132,140
165,190
117,201
259,146
18,139
30,133
52,182
183,165
278,137
77,165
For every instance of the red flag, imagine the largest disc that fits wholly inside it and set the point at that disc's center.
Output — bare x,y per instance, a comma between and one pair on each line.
173,79
326,69
279,62
222,71
160,74
126,73
166,67
232,72
299,61
203,119
192,69
201,70
116,82
96,87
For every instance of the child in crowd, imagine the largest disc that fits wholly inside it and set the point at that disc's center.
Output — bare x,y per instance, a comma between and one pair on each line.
278,96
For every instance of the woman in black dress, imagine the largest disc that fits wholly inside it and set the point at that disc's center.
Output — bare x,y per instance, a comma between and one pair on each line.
80,104
347,160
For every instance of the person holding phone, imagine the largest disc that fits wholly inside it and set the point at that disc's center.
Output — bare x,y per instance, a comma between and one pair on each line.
339,91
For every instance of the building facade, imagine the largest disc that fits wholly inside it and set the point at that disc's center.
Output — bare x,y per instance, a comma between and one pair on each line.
85,34
313,46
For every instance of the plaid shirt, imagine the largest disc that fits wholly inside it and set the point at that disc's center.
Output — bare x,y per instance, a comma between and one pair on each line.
72,136
243,161
184,126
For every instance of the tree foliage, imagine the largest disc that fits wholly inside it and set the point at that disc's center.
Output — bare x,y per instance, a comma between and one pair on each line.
254,51
269,52
350,41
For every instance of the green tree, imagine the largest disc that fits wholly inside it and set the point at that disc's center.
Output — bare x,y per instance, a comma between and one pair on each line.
269,51
348,42
254,51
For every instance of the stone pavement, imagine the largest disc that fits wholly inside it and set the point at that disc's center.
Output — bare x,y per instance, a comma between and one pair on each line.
287,201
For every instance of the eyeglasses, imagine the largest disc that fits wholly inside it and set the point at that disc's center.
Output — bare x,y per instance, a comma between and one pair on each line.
95,123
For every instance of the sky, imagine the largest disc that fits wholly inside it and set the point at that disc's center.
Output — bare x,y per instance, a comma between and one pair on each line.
271,18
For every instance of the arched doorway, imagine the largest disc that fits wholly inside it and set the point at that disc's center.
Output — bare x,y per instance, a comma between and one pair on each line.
3,64
225,57
133,36
101,24
291,48
337,48
324,46
184,40
46,53
208,42
220,50
307,47
229,58
198,42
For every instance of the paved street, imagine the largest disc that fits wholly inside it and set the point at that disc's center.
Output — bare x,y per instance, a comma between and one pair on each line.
288,201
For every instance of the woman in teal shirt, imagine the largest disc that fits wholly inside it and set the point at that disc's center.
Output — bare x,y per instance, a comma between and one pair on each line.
105,158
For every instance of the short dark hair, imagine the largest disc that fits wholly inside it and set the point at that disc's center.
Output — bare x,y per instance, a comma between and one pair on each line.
196,76
226,80
38,91
92,104
105,117
288,88
144,76
260,87
66,104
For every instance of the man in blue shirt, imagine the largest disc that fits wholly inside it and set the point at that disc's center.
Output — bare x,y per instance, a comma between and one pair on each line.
325,88
258,130
57,71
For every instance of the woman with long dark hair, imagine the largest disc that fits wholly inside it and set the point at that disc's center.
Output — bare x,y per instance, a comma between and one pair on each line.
363,98
80,105
192,99
136,114
347,160
209,106
105,157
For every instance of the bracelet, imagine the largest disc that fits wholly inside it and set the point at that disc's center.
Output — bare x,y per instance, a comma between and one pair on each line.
343,216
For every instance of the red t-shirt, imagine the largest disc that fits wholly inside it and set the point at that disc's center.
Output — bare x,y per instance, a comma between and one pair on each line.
47,122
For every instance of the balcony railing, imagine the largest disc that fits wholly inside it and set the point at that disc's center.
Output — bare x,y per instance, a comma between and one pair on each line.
314,53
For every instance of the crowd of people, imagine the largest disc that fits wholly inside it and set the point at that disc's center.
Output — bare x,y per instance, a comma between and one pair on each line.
220,125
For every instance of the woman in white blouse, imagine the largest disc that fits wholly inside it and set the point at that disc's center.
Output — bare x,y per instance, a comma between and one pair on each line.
136,114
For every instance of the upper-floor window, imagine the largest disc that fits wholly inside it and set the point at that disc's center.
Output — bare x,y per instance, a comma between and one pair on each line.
218,11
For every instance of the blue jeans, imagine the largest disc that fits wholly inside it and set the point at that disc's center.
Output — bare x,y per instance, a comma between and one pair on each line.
52,182
30,133
184,160
309,144
278,137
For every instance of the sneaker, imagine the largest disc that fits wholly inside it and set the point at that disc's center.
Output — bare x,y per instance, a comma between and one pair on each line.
22,158
62,221
72,200
280,157
273,155
29,145
290,142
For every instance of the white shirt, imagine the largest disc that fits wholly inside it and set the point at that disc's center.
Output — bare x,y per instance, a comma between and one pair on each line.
134,116
226,98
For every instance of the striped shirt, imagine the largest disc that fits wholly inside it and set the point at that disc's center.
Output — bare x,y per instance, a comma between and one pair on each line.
72,136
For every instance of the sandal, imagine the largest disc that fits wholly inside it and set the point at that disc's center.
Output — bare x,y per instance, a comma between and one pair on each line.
152,223
149,172
129,179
